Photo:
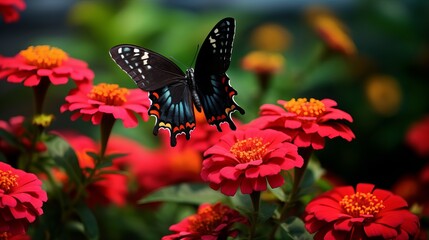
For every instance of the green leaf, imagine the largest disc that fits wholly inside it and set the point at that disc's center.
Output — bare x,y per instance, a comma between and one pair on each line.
65,157
195,193
294,227
278,193
89,222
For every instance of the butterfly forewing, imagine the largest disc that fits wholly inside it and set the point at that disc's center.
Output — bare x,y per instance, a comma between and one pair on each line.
213,60
148,69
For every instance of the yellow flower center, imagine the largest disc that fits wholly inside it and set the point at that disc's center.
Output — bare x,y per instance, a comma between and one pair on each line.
304,108
361,204
43,120
44,56
249,149
206,220
8,180
110,94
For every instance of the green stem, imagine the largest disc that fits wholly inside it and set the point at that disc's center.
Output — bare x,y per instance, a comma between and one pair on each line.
298,176
40,93
107,123
255,197
106,127
319,57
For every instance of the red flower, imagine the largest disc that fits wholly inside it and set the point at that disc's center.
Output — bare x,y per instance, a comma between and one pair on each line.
9,9
418,136
366,213
92,102
307,122
249,159
210,223
21,199
15,126
30,65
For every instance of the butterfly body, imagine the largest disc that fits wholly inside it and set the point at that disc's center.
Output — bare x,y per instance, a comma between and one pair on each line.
175,93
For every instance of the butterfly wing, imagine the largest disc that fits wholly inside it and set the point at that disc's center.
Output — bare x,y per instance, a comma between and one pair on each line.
173,108
148,69
167,86
213,60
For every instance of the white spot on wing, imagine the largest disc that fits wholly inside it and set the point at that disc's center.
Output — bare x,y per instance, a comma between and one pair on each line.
212,40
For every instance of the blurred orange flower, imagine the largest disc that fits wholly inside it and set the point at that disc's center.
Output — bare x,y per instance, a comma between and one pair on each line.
271,37
331,30
384,94
263,62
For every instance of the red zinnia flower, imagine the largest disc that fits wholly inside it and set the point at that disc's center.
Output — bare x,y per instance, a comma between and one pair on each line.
21,199
308,122
210,223
249,159
9,9
418,136
92,102
30,65
367,213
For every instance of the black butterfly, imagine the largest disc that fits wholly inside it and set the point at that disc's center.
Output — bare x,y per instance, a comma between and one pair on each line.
174,93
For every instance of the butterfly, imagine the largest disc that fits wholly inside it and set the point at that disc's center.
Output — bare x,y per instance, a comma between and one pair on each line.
174,93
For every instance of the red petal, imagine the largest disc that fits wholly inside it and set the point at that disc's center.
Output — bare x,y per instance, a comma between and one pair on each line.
229,188
275,180
376,230
364,187
31,81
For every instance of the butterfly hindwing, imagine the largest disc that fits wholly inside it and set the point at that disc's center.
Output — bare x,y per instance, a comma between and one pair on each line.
213,60
148,69
173,108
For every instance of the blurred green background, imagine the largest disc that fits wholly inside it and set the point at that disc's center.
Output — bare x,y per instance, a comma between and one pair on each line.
391,38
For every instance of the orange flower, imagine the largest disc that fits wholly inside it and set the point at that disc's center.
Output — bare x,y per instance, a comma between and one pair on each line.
331,30
262,62
271,37
384,94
